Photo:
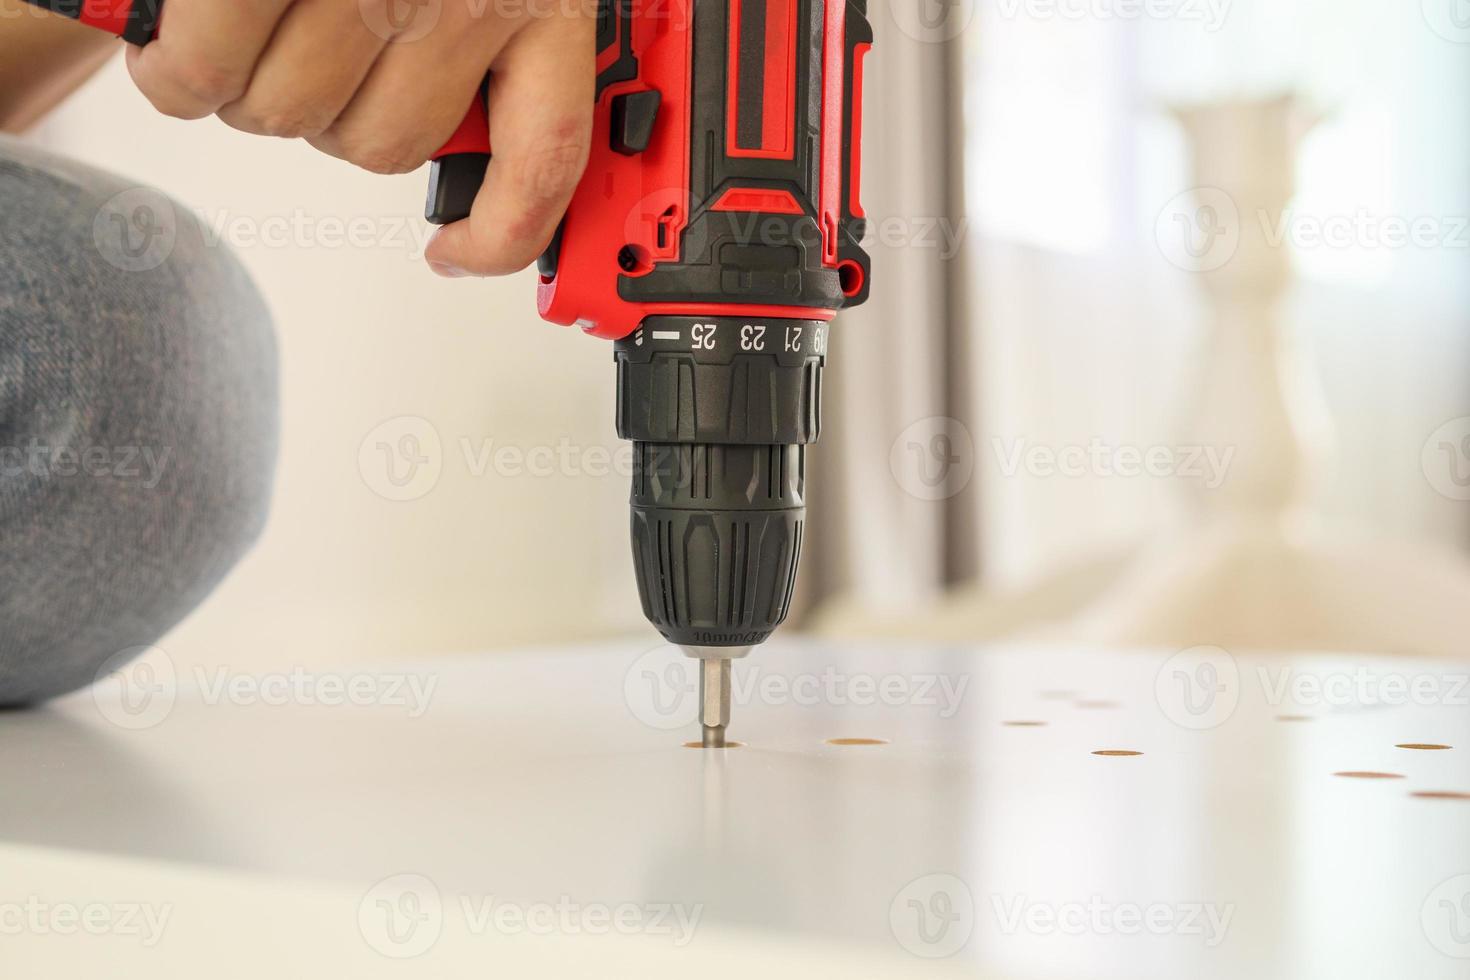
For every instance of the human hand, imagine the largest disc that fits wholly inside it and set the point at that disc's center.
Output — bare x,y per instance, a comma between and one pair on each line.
359,80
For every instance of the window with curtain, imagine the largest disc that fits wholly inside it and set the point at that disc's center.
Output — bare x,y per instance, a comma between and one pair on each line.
1083,331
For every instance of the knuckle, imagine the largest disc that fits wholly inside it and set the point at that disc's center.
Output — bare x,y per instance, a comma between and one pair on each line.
174,108
384,156
550,171
204,83
169,101
288,122
545,179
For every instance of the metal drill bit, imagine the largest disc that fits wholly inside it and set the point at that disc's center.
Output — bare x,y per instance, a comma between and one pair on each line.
714,700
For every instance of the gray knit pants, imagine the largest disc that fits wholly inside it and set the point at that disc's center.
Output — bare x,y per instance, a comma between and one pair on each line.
137,419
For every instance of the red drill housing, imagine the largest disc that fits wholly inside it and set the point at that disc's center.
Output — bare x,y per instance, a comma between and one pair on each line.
724,172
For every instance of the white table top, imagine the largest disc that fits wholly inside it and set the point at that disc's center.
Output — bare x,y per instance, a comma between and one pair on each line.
506,808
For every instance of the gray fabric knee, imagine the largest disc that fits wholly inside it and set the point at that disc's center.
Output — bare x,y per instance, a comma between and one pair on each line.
138,419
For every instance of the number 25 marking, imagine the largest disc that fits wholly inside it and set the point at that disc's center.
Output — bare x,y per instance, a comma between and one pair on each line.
704,336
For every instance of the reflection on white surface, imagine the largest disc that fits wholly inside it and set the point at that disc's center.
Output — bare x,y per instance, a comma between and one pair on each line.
1224,851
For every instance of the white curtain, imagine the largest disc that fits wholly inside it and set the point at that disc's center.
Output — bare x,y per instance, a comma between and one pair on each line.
893,513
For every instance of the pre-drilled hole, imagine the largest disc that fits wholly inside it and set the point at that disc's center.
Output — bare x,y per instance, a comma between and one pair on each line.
1117,753
856,741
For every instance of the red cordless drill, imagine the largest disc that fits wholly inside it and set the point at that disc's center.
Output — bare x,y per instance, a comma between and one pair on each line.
716,233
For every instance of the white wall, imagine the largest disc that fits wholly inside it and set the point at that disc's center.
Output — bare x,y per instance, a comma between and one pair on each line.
368,334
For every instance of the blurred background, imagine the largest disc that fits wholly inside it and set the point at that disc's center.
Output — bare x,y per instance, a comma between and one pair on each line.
1168,346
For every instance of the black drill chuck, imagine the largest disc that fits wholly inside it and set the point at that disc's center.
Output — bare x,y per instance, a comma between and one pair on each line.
720,411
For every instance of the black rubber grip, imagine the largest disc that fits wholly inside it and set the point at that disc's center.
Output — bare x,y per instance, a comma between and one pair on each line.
720,411
143,20
454,182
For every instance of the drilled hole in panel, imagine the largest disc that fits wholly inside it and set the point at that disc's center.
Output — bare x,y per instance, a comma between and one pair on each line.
856,741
